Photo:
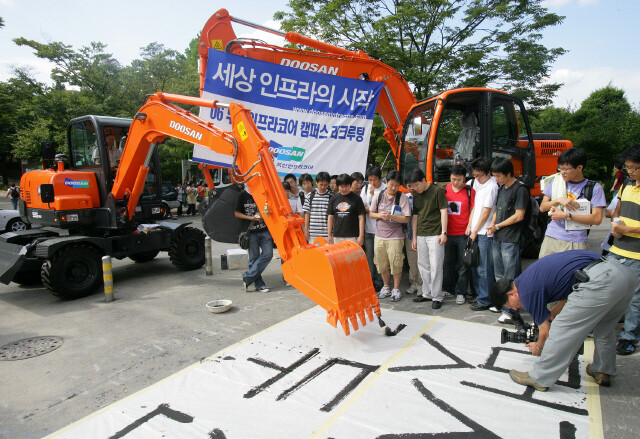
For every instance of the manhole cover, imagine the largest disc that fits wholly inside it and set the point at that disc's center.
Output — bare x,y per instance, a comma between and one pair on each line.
29,347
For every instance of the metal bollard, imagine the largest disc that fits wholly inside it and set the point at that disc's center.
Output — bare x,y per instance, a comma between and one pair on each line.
107,276
208,257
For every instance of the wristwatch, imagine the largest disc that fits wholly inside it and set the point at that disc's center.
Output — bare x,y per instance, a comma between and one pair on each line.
497,228
443,233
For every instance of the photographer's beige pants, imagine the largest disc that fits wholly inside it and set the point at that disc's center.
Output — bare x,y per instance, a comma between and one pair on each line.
595,305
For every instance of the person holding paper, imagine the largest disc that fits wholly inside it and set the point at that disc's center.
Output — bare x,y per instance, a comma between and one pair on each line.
460,199
390,209
574,203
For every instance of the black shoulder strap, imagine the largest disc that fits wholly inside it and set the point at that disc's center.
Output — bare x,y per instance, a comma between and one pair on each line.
397,198
468,188
311,198
379,199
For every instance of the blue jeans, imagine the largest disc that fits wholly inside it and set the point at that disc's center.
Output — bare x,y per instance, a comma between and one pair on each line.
506,263
258,261
456,274
631,329
14,203
369,242
482,275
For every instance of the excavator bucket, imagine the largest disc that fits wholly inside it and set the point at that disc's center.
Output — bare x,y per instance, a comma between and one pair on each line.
12,257
337,278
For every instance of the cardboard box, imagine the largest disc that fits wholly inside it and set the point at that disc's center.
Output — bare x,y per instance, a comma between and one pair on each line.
237,259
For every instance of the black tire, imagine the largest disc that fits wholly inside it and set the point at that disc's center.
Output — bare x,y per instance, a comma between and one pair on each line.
17,225
145,256
74,271
187,249
167,214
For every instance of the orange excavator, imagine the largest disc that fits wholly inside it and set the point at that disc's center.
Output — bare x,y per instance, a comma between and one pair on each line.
88,222
453,127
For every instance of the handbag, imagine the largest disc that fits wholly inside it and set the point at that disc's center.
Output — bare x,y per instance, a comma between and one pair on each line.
471,255
243,240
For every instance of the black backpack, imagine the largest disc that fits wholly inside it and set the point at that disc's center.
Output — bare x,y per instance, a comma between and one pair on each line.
531,213
15,192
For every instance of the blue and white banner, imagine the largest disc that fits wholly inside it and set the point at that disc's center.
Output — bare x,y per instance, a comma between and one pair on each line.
314,122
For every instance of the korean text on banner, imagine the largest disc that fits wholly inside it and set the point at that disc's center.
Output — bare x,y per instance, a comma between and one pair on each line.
313,121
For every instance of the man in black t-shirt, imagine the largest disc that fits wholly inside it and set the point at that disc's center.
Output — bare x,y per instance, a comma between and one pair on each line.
260,242
506,225
345,214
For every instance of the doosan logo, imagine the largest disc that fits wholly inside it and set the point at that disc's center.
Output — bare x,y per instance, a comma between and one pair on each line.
312,67
185,130
286,153
76,184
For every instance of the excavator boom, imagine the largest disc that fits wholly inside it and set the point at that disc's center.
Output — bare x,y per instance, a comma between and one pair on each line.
393,105
336,276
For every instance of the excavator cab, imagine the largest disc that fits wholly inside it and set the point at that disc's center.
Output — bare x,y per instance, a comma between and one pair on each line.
78,192
457,126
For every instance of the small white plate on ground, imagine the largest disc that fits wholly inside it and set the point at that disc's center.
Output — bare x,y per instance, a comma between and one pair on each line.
218,306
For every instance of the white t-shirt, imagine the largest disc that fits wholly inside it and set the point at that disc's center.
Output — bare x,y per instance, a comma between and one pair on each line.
486,195
370,224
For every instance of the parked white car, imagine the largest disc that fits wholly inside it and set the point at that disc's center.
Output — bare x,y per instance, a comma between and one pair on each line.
10,221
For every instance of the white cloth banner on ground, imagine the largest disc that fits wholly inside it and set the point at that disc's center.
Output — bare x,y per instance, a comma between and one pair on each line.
314,121
304,378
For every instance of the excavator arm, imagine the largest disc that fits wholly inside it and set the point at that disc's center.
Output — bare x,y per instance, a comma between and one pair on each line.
336,276
394,103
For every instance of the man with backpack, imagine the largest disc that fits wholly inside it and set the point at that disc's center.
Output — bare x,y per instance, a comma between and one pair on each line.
460,198
391,209
14,193
568,227
507,224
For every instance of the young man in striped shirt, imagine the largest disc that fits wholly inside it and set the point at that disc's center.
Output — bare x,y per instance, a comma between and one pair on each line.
315,209
626,244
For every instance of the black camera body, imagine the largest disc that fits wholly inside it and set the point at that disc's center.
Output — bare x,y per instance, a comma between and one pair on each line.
528,334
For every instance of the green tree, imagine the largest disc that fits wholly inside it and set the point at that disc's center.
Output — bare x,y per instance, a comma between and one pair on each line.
441,44
604,125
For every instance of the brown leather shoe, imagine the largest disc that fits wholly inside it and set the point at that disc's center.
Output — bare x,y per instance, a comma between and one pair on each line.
601,379
524,379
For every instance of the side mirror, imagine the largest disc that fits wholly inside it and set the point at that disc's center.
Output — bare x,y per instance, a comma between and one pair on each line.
48,150
46,193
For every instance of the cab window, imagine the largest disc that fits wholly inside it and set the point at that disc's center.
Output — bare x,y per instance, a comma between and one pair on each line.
83,143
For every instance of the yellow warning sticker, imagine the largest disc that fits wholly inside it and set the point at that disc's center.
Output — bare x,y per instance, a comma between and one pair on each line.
242,131
217,44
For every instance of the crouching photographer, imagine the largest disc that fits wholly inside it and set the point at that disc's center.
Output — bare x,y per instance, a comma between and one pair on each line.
591,294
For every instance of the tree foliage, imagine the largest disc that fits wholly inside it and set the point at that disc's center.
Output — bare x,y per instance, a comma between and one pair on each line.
441,44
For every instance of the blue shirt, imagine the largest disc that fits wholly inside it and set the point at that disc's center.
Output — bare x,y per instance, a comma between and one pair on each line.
550,279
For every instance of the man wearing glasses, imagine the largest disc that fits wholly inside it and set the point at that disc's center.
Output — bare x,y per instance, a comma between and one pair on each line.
569,225
625,229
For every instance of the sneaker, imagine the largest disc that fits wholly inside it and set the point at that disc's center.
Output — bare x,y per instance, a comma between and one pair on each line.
460,299
395,295
385,291
524,379
422,299
436,305
478,307
446,294
245,286
494,309
505,318
625,347
287,284
601,379
412,290
263,289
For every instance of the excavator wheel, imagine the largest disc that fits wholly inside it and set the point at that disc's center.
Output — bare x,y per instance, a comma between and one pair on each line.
187,249
145,256
74,271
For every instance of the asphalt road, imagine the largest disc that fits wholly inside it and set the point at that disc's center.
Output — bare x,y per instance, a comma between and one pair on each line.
159,325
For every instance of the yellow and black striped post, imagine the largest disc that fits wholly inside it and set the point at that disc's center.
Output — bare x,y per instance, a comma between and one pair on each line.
208,257
107,276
